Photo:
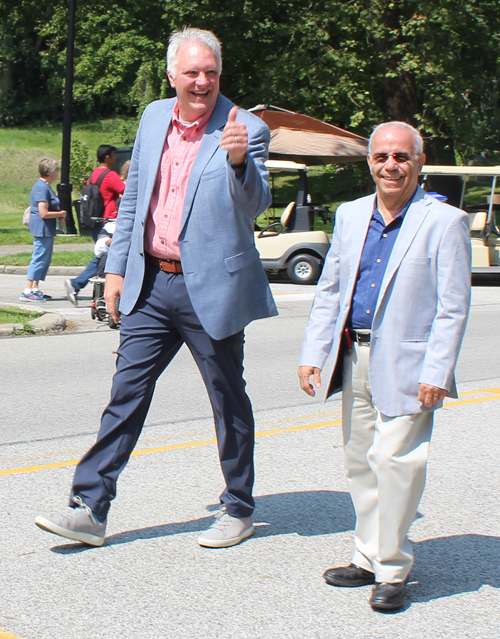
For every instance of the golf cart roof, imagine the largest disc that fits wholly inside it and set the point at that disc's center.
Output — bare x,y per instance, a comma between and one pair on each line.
284,165
301,138
428,169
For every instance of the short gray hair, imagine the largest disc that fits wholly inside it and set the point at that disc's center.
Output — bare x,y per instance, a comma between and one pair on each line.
419,142
198,36
47,167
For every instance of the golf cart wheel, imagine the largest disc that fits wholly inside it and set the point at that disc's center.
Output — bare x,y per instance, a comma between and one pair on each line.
92,312
303,269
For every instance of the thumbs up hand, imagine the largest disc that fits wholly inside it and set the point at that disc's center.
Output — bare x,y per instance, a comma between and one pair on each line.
235,138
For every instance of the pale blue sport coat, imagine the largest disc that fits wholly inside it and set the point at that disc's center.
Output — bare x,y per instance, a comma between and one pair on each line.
224,277
422,308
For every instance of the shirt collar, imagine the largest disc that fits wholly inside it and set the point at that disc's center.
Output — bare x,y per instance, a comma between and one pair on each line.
198,124
400,216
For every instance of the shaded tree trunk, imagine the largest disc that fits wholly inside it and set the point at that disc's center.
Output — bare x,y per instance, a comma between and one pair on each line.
440,151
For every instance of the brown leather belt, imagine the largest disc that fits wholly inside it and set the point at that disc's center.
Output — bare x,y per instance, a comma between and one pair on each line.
167,266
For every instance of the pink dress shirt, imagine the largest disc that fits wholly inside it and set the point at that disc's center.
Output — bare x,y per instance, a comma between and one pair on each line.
167,201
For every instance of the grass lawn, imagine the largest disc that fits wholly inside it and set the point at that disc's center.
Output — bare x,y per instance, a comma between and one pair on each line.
17,316
12,231
22,148
59,258
20,151
327,186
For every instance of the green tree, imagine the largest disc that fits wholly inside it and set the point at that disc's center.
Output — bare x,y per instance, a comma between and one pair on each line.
23,81
119,56
433,63
82,164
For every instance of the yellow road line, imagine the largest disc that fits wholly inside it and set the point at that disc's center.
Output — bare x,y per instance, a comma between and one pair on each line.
7,635
32,469
146,439
262,433
275,431
483,390
160,449
470,401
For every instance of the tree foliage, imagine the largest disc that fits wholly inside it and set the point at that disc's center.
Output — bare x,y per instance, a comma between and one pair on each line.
433,63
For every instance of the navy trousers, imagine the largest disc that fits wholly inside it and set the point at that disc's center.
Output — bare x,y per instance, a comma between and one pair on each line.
81,281
151,336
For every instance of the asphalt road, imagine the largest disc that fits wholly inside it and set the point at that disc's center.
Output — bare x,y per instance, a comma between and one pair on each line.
151,579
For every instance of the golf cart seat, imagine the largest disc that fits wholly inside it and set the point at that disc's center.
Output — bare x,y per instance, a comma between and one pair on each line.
485,250
287,216
477,222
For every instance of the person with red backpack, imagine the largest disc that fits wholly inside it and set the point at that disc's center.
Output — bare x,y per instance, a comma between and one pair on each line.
111,188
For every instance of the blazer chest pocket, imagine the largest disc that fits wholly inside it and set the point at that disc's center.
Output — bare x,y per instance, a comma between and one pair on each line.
220,171
417,261
416,269
240,260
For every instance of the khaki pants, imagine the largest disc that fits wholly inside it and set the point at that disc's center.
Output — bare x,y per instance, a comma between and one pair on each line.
386,459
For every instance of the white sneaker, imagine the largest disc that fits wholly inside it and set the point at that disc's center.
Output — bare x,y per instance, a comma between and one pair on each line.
71,292
226,530
80,524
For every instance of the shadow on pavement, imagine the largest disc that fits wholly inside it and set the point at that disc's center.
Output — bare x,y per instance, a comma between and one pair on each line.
447,566
444,566
304,513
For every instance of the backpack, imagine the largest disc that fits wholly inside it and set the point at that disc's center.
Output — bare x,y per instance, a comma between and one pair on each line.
91,204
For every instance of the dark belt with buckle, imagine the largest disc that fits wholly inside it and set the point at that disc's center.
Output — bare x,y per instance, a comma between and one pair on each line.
167,266
361,337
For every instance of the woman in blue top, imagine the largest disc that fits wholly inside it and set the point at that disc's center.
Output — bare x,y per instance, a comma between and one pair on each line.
44,213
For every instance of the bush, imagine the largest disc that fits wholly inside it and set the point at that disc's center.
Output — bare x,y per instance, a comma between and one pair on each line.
82,164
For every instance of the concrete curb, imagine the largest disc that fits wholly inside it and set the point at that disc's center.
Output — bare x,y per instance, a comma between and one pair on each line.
49,322
53,270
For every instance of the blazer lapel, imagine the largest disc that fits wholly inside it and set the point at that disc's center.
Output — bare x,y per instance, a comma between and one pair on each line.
355,244
209,145
414,218
155,149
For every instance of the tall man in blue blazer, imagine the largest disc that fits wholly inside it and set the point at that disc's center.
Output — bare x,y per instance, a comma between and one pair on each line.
391,309
185,269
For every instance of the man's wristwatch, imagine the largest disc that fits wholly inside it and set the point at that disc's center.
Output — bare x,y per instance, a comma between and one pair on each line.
240,165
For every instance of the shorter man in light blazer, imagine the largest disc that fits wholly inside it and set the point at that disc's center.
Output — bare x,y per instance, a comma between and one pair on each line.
391,308
184,266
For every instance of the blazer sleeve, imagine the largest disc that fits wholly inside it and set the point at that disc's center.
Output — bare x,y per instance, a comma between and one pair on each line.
116,262
326,307
251,194
453,293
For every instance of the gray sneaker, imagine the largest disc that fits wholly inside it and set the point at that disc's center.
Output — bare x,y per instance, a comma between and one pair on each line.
71,292
226,530
79,524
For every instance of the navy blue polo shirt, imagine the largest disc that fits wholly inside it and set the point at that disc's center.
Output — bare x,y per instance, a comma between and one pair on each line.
377,250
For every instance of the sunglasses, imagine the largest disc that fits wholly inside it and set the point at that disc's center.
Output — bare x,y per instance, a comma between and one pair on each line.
399,158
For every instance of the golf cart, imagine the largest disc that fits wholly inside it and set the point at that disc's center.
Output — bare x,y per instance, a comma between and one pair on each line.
482,203
289,244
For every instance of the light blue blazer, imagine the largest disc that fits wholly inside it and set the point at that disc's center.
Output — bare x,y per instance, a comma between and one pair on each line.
422,309
225,280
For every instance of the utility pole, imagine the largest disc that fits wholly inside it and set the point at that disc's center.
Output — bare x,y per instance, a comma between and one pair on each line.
64,188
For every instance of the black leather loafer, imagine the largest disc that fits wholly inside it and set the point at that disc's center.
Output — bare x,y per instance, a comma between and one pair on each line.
351,576
387,596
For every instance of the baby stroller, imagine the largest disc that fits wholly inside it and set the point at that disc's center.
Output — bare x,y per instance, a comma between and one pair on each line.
98,309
